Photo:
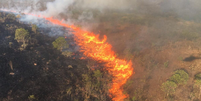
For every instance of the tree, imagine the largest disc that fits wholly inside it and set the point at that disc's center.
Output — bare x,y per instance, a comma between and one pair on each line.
198,76
34,28
60,43
95,85
169,87
180,77
22,35
11,16
197,88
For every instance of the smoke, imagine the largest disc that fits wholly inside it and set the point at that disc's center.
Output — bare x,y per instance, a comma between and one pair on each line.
56,7
84,12
105,4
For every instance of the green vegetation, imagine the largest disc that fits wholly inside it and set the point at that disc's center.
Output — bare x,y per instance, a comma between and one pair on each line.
198,83
67,53
31,97
197,89
95,86
34,28
169,87
198,76
60,43
180,77
189,35
127,32
10,44
11,16
22,35
166,64
133,98
196,94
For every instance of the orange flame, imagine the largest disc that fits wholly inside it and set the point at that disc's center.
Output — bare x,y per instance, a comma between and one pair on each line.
91,46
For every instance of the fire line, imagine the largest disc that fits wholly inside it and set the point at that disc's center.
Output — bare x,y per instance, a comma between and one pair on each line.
91,46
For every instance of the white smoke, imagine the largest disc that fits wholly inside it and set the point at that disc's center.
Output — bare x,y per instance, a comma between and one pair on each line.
57,7
106,4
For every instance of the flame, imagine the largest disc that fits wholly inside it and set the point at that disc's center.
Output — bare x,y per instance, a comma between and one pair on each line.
91,46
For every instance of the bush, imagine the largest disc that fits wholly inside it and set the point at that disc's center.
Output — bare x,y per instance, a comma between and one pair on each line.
169,87
95,86
22,35
67,53
197,83
180,77
196,89
34,28
31,97
97,74
189,35
11,16
60,43
198,76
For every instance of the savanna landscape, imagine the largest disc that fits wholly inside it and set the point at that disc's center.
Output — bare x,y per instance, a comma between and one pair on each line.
41,60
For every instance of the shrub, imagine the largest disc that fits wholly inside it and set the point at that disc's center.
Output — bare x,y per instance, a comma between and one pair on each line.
169,87
60,43
34,28
180,77
11,16
31,97
189,35
22,35
198,76
196,89
97,74
197,83
10,44
67,53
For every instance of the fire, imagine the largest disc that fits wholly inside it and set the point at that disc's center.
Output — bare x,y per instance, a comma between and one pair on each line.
91,46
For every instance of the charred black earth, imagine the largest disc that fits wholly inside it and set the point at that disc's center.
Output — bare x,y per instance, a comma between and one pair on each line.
42,73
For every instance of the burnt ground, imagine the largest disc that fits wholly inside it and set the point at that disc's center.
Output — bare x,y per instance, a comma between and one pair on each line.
156,45
38,72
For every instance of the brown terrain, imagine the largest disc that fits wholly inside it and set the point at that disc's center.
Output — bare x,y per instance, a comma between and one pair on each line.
157,44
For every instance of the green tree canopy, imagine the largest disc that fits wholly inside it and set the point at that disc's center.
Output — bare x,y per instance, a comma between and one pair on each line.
60,43
21,35
11,16
198,76
169,87
180,77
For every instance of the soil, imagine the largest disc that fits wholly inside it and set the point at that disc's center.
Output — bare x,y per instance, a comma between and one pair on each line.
155,52
38,72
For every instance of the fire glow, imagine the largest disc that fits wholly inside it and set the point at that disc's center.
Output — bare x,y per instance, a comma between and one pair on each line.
91,46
